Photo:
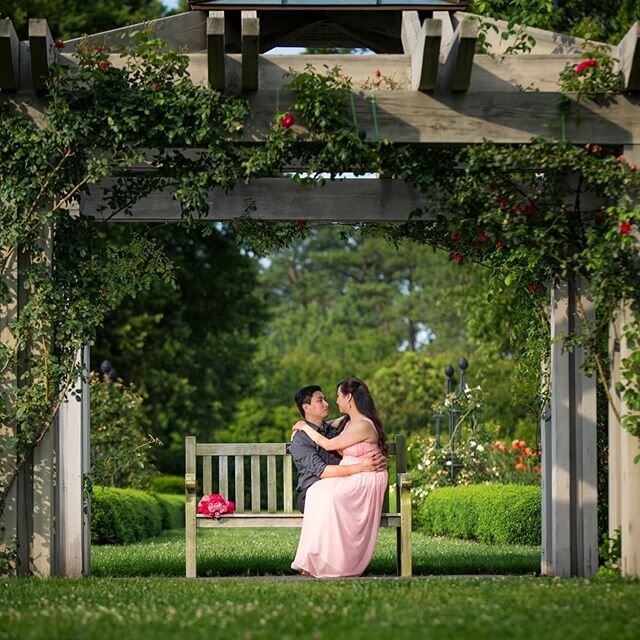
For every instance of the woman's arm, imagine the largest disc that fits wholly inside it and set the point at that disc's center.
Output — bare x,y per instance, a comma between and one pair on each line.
358,431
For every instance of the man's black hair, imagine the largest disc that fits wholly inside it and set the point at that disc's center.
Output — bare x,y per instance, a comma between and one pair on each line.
304,396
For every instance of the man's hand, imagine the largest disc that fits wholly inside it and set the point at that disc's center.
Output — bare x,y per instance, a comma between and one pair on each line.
375,462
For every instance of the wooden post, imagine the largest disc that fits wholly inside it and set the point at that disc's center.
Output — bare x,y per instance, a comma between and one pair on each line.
215,50
422,43
629,57
250,50
8,385
457,57
41,52
628,482
9,56
72,448
570,544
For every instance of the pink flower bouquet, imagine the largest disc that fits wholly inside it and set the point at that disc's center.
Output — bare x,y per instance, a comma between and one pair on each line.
215,505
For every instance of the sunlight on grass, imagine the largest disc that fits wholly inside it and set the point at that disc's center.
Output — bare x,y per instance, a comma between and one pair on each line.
228,552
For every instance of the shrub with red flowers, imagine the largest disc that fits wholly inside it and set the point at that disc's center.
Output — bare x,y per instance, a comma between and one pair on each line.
479,458
215,506
593,77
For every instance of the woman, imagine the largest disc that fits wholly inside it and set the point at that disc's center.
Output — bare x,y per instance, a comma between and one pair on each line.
342,515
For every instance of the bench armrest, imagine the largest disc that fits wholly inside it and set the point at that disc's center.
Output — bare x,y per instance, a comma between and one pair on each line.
190,483
403,481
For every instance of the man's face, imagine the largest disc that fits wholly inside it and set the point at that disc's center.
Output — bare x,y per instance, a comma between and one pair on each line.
318,409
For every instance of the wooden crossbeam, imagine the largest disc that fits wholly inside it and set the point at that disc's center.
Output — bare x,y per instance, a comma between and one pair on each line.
457,57
629,57
508,116
250,50
9,56
41,52
181,31
215,50
281,199
422,43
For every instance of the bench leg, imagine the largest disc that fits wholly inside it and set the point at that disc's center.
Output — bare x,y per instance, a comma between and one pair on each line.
190,535
404,534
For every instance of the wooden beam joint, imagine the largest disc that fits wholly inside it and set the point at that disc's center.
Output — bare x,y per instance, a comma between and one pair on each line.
250,50
422,43
457,58
41,52
9,56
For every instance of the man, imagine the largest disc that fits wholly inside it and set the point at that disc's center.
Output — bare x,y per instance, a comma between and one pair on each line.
314,462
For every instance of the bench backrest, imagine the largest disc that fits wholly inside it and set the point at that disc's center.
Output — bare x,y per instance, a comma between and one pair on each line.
222,466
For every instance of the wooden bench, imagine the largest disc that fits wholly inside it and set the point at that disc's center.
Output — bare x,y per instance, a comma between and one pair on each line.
205,458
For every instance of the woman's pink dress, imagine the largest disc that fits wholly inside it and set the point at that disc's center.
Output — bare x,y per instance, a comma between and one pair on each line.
341,520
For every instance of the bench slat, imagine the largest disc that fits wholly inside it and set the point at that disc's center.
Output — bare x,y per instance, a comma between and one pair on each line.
207,476
241,449
223,476
239,474
287,473
255,484
271,484
273,520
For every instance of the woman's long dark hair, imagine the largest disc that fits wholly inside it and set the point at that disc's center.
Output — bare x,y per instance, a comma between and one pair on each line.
365,405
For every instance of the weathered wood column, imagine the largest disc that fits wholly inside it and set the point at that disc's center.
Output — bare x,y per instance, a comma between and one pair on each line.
569,471
73,548
624,473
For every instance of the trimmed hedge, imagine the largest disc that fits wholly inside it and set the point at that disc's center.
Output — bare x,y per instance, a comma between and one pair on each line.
168,484
501,513
123,516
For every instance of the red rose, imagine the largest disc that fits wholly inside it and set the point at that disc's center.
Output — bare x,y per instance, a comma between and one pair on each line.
633,167
105,64
155,86
482,238
458,257
287,121
537,468
533,287
625,228
498,245
456,235
59,44
585,64
529,208
301,223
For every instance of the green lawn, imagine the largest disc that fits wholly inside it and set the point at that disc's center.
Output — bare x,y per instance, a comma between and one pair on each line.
238,552
281,606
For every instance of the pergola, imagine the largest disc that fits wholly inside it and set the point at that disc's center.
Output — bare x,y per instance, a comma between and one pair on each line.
445,94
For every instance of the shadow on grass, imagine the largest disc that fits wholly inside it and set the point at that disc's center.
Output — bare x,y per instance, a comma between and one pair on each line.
254,552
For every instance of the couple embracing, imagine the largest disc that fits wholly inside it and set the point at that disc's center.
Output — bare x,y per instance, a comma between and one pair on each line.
342,479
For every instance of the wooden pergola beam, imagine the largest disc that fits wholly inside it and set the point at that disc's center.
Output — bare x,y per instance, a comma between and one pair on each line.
9,56
215,50
41,52
352,201
629,57
422,43
250,50
415,117
457,57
